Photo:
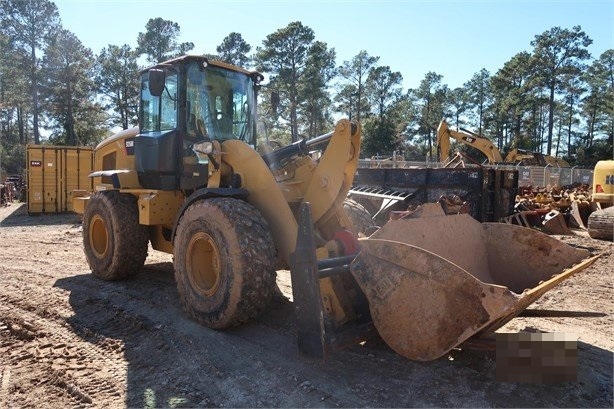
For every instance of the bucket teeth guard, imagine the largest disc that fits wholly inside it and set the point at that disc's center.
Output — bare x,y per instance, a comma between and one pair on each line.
434,282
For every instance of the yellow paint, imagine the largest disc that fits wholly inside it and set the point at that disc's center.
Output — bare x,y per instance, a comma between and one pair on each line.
53,172
158,207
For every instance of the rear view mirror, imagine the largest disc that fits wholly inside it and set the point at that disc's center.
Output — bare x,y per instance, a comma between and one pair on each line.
157,79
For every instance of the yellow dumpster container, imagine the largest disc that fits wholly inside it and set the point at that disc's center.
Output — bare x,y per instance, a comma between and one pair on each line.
53,172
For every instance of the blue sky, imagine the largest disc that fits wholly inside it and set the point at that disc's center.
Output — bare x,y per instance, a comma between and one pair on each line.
453,38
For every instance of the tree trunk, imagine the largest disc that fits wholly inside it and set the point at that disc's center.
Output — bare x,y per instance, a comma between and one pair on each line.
426,120
569,123
550,119
34,80
359,103
558,138
591,128
22,134
72,138
123,109
517,127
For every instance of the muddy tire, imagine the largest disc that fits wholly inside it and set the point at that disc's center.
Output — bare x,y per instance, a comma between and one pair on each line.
601,224
115,243
359,216
224,262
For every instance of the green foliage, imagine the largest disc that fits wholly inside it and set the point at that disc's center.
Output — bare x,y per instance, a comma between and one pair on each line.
354,74
431,96
512,96
551,99
159,41
379,137
234,50
598,104
29,25
558,53
316,108
347,99
479,96
14,92
117,79
284,56
13,158
458,103
588,156
383,89
69,87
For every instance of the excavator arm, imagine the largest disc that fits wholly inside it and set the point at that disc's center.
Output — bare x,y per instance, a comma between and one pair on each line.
444,133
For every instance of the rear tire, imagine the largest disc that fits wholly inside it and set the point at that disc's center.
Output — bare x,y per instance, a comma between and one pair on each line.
601,224
359,216
224,262
115,243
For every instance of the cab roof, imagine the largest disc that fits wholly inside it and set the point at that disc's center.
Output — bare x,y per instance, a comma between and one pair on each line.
184,59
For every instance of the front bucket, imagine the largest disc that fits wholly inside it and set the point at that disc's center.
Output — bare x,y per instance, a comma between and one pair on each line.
433,282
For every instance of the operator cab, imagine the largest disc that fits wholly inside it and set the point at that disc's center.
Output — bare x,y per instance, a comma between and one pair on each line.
185,102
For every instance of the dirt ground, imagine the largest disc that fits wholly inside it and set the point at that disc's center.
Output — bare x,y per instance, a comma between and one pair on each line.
68,339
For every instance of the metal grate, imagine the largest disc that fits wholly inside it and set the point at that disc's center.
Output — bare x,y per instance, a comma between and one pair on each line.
381,193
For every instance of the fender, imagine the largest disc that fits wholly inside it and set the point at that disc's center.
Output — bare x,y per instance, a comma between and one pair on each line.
207,193
120,178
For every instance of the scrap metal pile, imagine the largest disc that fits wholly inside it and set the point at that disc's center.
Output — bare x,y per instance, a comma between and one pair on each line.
553,209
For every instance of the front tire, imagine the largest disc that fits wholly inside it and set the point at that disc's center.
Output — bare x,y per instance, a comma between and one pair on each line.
115,243
224,262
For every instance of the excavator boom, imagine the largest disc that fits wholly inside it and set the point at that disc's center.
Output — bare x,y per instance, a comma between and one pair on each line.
484,145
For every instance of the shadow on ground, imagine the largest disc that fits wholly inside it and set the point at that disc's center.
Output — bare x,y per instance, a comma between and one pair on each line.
173,361
17,215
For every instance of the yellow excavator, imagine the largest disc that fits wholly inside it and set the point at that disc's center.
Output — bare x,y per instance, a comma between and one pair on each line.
524,157
485,145
195,181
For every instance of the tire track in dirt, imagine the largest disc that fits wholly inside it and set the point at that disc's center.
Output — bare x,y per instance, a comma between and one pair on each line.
149,303
226,361
53,357
5,381
66,365
156,317
129,344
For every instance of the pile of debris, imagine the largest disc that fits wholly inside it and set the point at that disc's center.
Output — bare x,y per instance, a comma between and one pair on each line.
7,193
553,209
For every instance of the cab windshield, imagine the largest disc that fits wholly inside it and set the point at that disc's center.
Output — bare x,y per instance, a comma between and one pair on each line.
219,103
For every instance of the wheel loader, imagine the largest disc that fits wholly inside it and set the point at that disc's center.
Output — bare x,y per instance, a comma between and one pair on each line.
195,181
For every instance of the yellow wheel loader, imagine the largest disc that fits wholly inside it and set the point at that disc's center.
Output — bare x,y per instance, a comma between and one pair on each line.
194,181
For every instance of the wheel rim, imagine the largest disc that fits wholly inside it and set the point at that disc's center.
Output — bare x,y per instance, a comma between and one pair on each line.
99,237
203,264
